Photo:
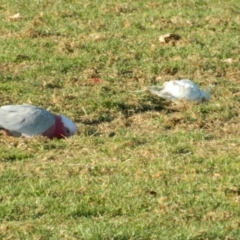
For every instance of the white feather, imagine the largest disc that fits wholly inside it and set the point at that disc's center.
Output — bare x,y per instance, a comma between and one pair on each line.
183,89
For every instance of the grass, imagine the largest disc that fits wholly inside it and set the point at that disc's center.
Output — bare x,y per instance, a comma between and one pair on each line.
139,167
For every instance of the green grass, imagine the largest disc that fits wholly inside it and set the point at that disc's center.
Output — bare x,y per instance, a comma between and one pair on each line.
139,167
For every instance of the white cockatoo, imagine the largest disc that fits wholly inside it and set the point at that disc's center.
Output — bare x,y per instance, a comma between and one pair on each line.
183,89
27,120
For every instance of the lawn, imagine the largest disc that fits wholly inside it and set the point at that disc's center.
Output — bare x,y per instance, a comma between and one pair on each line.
139,167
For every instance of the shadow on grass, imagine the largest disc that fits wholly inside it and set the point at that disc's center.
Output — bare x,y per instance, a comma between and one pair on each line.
12,157
127,110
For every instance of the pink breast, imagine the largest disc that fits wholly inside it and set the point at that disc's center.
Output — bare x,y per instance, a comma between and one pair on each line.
56,130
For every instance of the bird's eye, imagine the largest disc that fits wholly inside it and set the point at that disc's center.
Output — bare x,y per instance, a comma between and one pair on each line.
67,131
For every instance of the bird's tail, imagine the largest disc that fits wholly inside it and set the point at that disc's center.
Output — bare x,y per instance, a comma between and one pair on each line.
153,89
157,90
139,91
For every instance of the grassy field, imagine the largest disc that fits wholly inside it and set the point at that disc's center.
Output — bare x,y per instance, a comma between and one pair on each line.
140,167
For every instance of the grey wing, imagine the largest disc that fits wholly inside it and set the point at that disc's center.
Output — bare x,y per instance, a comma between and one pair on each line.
25,119
190,89
192,93
161,92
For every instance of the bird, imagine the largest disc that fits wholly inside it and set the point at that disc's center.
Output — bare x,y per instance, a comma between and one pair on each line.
28,120
183,89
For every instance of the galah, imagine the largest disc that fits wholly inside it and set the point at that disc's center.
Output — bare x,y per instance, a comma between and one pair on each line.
27,120
183,89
